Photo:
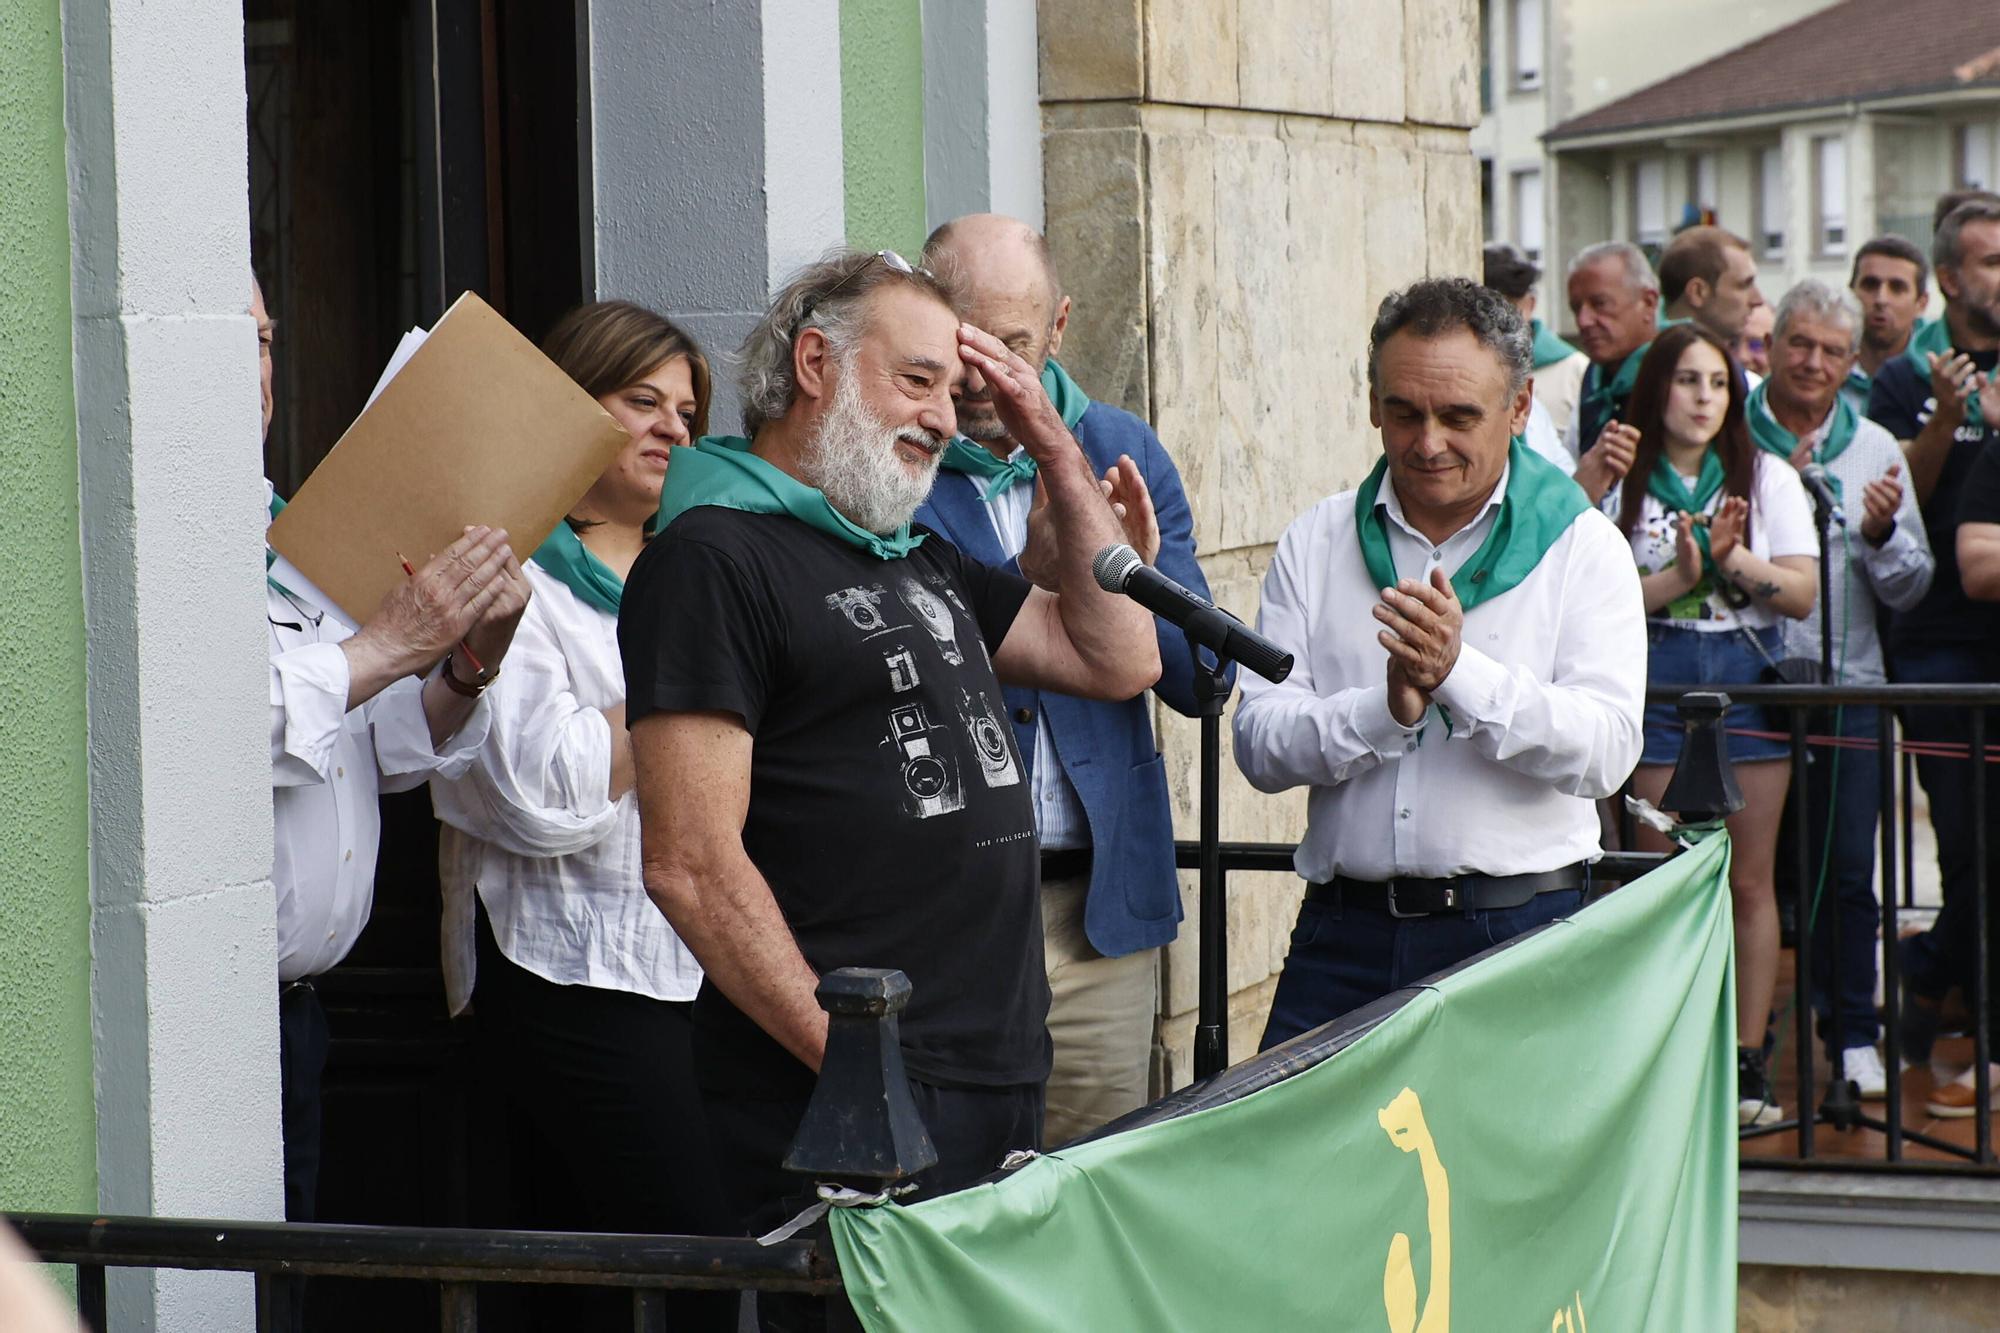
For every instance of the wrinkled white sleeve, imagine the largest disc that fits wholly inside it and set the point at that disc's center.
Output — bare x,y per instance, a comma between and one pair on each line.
1305,731
1580,730
402,737
1901,568
541,785
308,707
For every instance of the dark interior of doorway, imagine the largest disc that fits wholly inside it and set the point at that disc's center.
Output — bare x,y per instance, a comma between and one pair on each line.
402,152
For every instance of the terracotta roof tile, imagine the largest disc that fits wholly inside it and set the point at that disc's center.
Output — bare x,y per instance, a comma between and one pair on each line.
1857,50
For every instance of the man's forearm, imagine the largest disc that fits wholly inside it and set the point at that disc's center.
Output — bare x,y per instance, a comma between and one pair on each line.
726,915
1109,631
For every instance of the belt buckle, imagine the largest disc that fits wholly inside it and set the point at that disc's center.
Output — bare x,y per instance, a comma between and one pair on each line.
1451,900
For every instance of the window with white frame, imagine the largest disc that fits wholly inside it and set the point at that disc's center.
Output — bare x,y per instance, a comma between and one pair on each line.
1771,201
1975,157
1528,213
1830,195
1702,185
1649,202
1527,45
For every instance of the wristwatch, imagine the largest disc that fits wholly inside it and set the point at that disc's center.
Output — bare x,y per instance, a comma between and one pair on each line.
473,688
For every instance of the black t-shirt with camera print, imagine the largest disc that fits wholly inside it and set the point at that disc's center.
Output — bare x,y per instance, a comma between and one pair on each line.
889,809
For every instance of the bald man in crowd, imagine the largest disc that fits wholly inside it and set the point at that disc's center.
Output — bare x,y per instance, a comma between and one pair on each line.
1110,898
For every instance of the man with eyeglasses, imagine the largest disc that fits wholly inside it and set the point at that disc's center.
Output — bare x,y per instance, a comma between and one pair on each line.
826,775
1110,896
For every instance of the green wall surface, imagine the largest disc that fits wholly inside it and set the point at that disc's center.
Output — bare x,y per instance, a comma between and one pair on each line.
882,122
47,1136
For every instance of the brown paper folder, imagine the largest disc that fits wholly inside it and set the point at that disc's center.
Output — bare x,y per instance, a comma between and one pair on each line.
478,427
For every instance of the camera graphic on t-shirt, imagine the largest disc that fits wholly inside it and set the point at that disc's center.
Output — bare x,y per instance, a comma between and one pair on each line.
989,740
926,766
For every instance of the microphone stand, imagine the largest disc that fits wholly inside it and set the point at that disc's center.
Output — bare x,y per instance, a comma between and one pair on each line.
1211,1033
1841,1108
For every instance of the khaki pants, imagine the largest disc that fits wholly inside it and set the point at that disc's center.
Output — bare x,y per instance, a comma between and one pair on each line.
1101,1018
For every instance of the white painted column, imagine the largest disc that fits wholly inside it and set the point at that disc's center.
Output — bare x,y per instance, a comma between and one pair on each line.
714,163
184,978
982,110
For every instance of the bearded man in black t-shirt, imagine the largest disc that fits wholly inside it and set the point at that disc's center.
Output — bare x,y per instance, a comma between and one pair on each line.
826,775
1941,399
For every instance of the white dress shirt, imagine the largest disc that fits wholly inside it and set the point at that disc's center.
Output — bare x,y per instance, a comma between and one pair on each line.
328,763
1545,701
531,825
1059,818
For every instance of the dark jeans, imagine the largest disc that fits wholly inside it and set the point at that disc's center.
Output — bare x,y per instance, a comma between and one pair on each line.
972,1129
1947,954
1844,785
302,1045
1343,958
609,1133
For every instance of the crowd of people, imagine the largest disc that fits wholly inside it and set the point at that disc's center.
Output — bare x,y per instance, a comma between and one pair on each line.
842,690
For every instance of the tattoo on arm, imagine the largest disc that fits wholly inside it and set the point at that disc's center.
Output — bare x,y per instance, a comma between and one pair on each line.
1767,589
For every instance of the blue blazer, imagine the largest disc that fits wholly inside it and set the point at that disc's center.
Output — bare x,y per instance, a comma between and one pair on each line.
1106,749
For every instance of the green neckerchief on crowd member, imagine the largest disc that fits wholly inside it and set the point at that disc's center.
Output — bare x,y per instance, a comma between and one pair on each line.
1610,398
1540,504
1666,486
720,470
1934,335
271,556
1774,438
565,558
1548,348
1000,474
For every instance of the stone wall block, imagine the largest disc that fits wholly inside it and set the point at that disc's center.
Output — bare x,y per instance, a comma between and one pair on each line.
1182,305
1441,60
1451,202
1392,186
1191,52
1097,207
1091,49
1259,428
1365,70
1284,58
1329,310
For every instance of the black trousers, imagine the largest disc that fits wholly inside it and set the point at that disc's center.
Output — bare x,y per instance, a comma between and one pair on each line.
608,1132
753,1127
302,1043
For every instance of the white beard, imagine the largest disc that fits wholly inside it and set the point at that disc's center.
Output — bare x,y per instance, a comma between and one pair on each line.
852,460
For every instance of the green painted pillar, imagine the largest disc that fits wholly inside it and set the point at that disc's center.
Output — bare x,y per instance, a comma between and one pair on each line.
882,122
48,1153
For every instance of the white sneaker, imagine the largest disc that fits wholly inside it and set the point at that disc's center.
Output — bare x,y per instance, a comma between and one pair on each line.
1863,1066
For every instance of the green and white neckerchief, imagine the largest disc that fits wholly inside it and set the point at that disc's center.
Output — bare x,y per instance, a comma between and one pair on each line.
1001,474
1666,486
720,470
1540,504
271,556
1604,398
565,558
1774,438
1548,348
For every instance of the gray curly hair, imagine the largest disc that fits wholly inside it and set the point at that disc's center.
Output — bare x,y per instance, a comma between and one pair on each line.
1437,306
829,295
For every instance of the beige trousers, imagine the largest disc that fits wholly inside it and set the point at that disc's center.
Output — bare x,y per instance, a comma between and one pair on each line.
1101,1018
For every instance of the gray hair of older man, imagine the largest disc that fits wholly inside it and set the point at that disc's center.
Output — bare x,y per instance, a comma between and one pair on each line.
830,295
1639,273
1819,300
1437,306
1946,252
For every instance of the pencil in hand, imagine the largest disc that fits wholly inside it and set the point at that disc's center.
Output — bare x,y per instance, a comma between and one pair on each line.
470,656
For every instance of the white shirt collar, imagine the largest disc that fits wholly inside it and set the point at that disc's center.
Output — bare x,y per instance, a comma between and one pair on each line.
1387,499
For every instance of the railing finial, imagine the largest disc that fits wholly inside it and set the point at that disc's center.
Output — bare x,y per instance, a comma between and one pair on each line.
862,1123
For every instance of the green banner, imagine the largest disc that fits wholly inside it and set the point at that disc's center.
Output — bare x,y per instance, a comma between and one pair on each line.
1544,1140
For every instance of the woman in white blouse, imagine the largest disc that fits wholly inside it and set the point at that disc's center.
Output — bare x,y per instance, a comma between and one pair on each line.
581,990
1723,536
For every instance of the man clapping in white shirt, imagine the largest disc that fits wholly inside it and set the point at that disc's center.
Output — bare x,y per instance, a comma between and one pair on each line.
1454,752
352,715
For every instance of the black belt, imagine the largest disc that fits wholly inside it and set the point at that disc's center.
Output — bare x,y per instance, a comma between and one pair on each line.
1465,893
1073,863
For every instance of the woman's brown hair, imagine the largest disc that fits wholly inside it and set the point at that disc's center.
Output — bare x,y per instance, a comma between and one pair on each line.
609,345
1648,411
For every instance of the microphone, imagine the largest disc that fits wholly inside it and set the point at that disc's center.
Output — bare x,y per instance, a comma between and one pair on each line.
1118,568
1821,485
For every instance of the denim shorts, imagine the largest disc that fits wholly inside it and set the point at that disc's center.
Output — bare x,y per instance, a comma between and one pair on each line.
1717,659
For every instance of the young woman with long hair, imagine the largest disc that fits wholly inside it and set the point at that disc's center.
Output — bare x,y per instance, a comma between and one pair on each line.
1723,536
582,991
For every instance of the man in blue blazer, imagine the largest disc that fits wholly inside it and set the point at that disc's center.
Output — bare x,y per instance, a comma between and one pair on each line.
1110,898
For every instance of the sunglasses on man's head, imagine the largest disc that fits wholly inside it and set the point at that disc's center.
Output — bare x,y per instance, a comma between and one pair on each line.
895,263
